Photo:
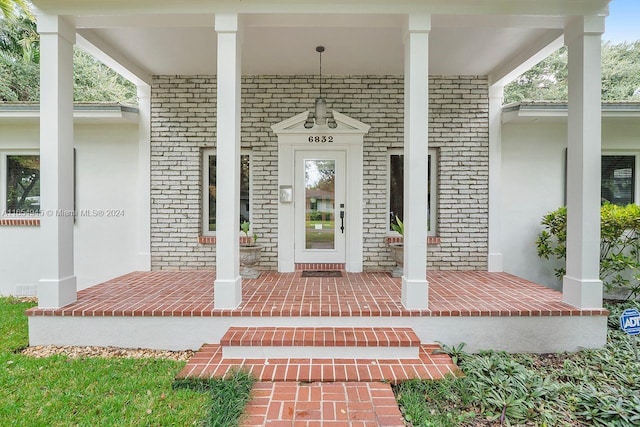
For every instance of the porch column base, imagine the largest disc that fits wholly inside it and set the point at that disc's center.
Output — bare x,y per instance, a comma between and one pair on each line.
56,293
227,293
415,294
582,294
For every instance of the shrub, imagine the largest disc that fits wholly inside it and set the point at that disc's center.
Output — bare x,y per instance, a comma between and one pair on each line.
619,245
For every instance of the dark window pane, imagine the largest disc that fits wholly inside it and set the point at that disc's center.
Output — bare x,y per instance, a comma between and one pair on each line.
244,188
396,188
618,179
245,179
23,184
212,193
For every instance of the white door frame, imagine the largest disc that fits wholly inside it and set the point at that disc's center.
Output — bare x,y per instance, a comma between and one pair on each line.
348,137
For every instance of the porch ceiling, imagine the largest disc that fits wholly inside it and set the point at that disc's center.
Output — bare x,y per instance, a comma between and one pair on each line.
368,44
356,44
468,37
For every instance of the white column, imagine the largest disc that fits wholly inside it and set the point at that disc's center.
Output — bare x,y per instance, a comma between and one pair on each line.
415,288
581,285
495,261
144,177
57,286
228,283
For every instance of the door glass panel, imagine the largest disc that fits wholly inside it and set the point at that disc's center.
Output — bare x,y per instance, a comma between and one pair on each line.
320,183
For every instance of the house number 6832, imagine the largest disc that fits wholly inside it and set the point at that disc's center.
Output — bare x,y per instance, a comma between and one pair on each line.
320,138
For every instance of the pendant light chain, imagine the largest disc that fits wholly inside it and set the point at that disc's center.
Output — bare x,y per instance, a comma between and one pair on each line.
320,74
320,49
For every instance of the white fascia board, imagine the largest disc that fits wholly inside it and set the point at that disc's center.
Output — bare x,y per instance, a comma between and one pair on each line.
524,112
526,59
82,113
88,41
435,7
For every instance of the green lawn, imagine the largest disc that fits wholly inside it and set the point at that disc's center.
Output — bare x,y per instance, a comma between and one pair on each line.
60,391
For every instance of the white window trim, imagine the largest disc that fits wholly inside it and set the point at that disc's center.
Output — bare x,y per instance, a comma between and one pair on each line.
636,155
433,180
3,181
205,193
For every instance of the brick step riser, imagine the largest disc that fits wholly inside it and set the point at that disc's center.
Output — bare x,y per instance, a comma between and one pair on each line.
320,337
318,352
430,364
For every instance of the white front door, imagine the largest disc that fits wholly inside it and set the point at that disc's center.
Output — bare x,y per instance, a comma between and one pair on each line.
320,206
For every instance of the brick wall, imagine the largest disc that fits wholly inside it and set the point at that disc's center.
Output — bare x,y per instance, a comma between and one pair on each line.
183,124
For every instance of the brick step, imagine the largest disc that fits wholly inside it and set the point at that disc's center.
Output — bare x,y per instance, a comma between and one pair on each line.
341,342
431,363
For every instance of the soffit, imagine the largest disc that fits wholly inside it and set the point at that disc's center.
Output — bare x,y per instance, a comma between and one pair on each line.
285,44
468,37
436,7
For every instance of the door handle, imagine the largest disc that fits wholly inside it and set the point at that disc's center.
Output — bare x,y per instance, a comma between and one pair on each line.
342,221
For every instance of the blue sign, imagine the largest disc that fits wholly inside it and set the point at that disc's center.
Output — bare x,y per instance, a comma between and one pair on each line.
630,321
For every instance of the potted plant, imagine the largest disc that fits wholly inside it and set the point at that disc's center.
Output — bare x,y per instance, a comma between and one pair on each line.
397,249
250,253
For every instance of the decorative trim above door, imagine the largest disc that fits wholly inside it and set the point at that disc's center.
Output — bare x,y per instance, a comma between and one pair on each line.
347,135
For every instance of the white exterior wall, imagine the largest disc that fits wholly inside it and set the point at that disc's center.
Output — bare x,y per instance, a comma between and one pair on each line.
533,182
105,247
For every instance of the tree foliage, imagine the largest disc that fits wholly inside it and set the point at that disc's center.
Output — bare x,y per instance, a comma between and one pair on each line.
19,58
94,81
547,81
11,8
20,68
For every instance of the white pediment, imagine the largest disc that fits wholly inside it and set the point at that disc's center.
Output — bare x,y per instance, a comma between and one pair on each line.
344,125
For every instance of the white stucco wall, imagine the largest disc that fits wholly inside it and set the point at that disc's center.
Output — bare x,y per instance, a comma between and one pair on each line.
107,174
107,181
533,182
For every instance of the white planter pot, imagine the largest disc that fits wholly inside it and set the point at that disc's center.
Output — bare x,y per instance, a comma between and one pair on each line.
397,254
249,257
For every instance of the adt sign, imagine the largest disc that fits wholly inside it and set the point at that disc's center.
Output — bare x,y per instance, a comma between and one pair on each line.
630,321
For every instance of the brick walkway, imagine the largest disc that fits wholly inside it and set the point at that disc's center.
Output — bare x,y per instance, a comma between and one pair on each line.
336,404
315,391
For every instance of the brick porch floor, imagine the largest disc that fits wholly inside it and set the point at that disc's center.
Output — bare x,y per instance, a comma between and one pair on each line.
190,293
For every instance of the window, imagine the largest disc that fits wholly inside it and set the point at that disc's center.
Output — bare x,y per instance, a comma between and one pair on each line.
209,190
618,182
396,188
20,184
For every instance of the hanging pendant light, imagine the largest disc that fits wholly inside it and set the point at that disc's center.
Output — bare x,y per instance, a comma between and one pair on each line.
320,105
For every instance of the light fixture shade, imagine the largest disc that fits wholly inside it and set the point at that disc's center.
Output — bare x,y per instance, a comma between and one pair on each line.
321,112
